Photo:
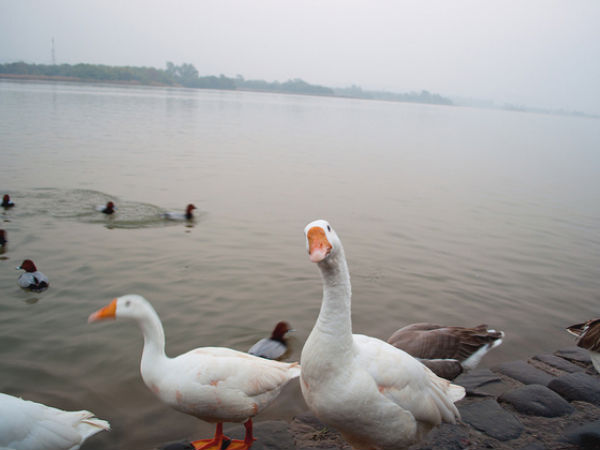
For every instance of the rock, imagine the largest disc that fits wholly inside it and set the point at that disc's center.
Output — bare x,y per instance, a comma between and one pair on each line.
574,354
585,436
270,435
558,363
537,400
476,378
487,416
446,436
534,446
577,386
525,373
178,446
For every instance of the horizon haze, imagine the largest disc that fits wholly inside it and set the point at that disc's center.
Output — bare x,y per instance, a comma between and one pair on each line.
539,54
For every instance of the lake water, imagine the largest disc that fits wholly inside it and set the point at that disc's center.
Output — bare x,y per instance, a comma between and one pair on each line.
447,214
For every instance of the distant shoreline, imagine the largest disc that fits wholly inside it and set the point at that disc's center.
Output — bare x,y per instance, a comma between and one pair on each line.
11,76
348,93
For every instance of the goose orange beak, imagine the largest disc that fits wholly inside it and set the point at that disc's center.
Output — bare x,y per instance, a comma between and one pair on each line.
108,312
318,244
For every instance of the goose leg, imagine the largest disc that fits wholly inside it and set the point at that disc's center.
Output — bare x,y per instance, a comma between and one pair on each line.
248,439
215,443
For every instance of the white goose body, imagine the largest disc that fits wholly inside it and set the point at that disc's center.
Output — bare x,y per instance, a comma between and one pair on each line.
26,425
376,395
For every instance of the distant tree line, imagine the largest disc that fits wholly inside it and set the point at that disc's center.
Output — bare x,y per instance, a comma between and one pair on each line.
414,97
186,75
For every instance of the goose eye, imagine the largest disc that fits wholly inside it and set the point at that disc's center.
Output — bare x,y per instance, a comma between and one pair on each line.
128,303
328,228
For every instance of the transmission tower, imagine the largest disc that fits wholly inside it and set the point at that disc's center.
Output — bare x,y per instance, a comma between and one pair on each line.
53,54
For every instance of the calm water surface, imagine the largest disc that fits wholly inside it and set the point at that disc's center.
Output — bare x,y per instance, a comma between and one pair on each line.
451,215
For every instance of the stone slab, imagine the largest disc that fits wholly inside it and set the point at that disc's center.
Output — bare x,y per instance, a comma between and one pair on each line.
577,386
537,400
559,363
574,354
525,373
586,436
488,417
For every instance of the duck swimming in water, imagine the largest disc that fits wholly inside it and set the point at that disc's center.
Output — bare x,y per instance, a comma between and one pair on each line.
275,346
174,215
109,208
32,279
7,202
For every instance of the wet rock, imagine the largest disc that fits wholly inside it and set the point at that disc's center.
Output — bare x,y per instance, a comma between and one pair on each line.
476,379
534,446
525,373
446,436
537,400
577,386
558,363
574,354
270,435
487,416
178,446
586,436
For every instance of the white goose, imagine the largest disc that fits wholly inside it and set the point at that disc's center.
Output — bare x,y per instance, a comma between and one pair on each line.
377,396
26,425
215,384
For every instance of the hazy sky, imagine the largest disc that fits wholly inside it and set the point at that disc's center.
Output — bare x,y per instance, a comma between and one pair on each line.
543,53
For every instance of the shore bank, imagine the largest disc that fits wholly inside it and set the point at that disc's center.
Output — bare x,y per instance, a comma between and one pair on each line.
549,402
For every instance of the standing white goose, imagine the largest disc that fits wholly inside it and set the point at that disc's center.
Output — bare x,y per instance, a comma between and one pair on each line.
448,351
214,384
377,396
26,425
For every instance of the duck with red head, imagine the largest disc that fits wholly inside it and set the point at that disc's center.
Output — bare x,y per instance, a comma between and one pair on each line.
275,346
7,202
32,279
109,208
175,215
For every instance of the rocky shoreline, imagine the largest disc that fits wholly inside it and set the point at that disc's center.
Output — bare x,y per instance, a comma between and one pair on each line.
550,402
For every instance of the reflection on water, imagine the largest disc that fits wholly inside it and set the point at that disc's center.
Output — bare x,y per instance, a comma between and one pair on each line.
446,214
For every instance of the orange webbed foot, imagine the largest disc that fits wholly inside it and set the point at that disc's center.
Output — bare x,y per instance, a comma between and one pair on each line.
211,444
219,442
248,439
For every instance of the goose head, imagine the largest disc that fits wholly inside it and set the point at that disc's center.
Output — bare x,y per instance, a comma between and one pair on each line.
322,242
132,306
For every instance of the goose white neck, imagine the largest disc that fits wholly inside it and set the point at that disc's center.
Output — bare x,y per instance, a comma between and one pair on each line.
154,338
335,315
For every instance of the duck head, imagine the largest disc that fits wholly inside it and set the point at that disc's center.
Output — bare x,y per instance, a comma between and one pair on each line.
27,266
280,330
